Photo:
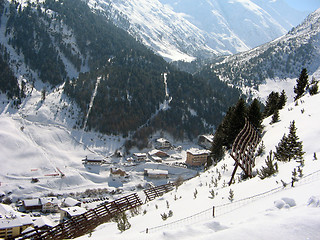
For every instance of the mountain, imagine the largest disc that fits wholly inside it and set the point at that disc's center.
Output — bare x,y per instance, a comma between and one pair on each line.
120,86
279,59
184,30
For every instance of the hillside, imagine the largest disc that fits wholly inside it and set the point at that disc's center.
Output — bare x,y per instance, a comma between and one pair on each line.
280,59
257,206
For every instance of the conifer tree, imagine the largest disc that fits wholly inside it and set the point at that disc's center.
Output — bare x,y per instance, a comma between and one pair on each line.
289,147
313,88
294,177
270,169
282,150
302,83
122,222
272,104
294,145
275,116
282,100
254,114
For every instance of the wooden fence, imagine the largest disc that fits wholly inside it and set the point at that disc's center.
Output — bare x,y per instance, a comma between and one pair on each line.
88,221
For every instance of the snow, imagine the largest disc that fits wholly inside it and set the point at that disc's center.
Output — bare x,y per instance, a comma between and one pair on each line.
261,209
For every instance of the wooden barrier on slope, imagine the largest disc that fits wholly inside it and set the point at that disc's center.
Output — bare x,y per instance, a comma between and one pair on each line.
243,149
154,192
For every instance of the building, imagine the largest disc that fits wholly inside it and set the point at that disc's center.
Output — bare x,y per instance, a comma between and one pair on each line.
67,213
43,223
93,161
49,204
32,204
162,143
12,223
197,157
140,157
158,153
205,141
70,202
156,173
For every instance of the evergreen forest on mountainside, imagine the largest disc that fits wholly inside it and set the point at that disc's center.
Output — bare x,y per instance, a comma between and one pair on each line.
53,34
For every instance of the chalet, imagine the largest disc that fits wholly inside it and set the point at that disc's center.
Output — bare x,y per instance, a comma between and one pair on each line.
68,213
156,173
12,223
197,157
70,202
162,143
32,204
139,157
205,141
158,153
49,204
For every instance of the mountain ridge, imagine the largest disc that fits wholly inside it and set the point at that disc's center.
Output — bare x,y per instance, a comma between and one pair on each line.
185,30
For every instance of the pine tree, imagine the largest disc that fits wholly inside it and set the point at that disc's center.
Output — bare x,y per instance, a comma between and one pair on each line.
231,195
313,88
282,150
289,147
275,116
302,83
122,222
295,146
282,100
270,169
294,177
272,104
254,114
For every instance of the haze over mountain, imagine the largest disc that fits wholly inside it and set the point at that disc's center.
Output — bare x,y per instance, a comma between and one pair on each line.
184,30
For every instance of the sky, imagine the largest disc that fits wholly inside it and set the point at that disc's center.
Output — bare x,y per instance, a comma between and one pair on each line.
305,5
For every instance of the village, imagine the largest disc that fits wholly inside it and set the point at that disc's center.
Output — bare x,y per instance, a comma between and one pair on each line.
162,164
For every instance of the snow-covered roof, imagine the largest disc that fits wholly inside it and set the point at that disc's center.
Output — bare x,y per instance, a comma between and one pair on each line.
10,218
52,200
162,140
74,211
156,158
156,171
140,154
196,151
43,221
70,202
32,202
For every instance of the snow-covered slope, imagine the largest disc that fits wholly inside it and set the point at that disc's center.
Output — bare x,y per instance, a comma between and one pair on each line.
182,30
260,209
